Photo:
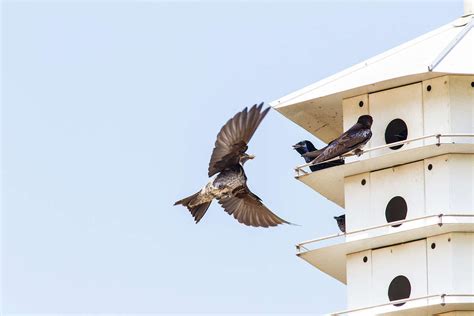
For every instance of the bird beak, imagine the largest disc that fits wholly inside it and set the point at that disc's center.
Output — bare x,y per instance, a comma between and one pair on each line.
250,156
297,146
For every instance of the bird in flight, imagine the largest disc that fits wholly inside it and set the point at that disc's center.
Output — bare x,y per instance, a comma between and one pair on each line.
341,222
229,183
305,146
351,141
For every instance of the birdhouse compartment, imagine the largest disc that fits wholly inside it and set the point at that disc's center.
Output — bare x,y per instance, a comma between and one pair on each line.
398,115
451,263
359,278
433,186
442,264
388,195
448,107
449,184
442,105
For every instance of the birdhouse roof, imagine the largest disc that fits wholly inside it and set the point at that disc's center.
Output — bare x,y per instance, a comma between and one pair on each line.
446,50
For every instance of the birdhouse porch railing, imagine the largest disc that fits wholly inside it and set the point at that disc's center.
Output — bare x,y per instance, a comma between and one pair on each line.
424,221
300,170
437,299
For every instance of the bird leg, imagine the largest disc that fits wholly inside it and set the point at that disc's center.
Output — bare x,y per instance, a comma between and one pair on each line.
358,152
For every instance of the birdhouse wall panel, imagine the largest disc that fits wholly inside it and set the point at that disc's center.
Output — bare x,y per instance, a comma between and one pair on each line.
390,264
352,108
396,193
437,184
461,95
402,103
449,184
451,263
357,193
447,107
359,278
440,261
463,262
461,193
436,108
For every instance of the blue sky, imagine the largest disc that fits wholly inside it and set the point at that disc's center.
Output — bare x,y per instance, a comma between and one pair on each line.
109,115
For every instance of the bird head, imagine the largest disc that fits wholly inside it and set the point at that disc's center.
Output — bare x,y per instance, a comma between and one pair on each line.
341,222
245,157
304,146
365,120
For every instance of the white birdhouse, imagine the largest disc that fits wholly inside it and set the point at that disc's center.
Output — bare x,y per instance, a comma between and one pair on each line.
409,197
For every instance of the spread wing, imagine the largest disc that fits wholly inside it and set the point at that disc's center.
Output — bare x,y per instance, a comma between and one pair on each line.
233,138
354,138
248,209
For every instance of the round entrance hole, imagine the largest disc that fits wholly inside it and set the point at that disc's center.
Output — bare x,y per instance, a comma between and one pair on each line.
396,210
399,288
396,131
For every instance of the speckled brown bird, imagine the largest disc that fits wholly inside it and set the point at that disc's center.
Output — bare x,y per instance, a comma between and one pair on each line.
229,183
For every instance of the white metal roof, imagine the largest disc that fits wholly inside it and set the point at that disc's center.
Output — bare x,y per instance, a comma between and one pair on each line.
446,50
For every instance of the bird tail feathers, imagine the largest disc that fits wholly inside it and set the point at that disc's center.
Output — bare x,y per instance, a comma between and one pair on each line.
187,200
197,211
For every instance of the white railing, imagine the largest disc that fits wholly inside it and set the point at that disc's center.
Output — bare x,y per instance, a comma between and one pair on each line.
300,245
299,169
442,302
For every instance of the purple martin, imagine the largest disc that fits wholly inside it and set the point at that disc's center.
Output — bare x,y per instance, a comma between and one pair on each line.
306,146
341,222
352,140
229,183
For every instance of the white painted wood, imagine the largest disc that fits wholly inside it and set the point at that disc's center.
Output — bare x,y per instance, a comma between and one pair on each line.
404,103
461,99
359,279
407,259
440,262
332,259
330,182
451,263
437,185
406,181
402,65
357,195
450,184
436,108
447,107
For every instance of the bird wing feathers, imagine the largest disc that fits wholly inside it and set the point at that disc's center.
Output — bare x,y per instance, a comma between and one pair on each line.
350,140
233,138
248,209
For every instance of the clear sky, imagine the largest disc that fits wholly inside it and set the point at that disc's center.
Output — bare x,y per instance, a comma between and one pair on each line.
109,115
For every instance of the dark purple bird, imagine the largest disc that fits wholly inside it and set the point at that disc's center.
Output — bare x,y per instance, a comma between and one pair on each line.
341,222
352,140
229,183
306,146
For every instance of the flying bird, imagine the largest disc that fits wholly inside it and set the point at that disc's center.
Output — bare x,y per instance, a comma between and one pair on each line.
229,183
352,140
341,222
306,146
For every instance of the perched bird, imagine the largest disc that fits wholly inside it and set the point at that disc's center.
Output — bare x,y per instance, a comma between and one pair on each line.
352,140
306,146
341,222
229,182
